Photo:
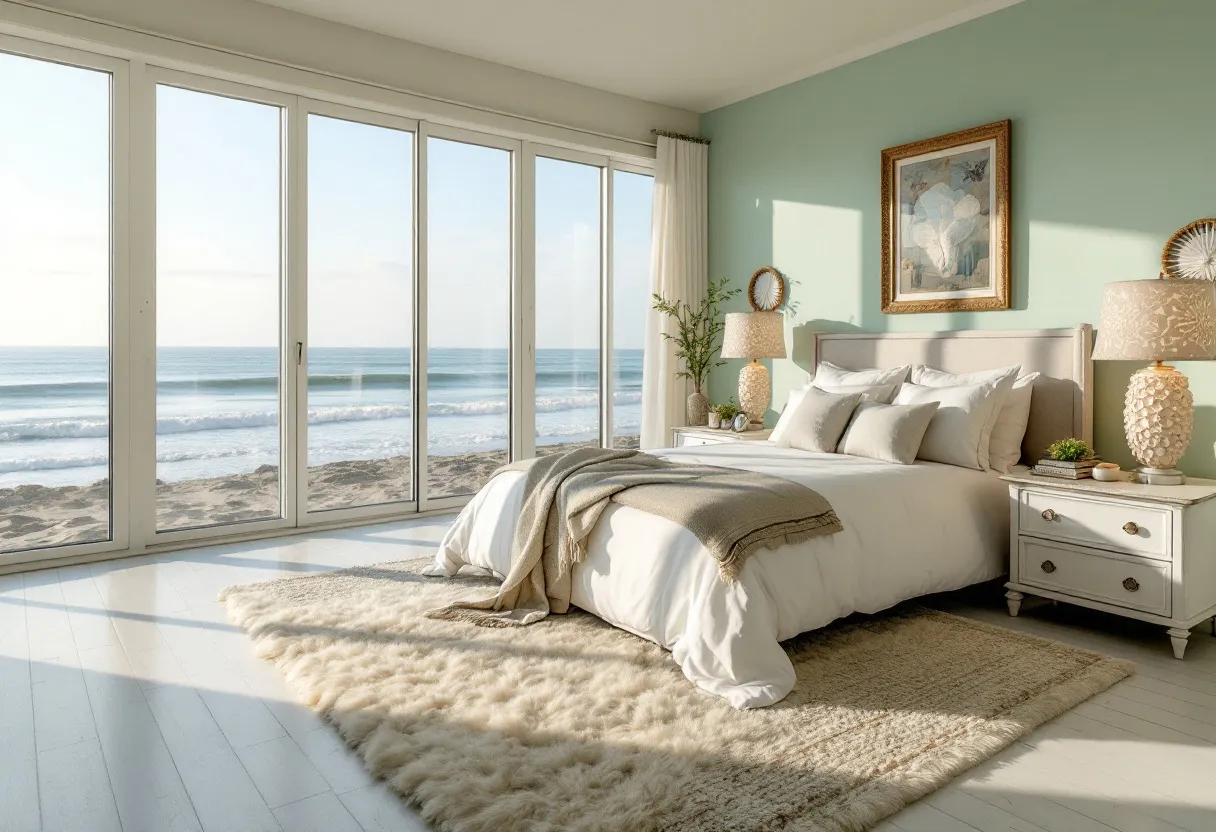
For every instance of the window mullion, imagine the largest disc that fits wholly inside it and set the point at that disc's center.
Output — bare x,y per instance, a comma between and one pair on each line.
607,382
525,321
142,298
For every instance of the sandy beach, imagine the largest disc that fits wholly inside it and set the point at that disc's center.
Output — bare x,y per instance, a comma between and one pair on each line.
38,515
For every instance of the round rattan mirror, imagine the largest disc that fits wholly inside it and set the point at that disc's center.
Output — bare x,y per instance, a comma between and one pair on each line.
1191,253
766,290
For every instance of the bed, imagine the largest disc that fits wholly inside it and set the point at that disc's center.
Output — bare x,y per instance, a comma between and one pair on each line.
908,530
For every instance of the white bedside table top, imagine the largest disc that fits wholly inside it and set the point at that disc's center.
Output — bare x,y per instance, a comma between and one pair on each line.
1194,491
747,435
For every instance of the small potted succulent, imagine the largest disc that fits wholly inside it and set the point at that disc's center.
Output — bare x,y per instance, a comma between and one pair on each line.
721,415
1070,450
1069,458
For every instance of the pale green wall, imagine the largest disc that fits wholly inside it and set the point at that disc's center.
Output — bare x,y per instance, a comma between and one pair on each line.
1114,128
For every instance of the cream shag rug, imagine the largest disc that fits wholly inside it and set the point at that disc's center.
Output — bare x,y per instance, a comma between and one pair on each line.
574,725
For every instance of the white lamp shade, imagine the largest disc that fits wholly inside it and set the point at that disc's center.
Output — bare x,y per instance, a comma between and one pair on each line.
754,335
1157,320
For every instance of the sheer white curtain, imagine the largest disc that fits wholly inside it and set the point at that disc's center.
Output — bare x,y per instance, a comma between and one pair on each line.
679,270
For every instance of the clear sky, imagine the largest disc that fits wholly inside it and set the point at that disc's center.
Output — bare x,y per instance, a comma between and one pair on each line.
218,167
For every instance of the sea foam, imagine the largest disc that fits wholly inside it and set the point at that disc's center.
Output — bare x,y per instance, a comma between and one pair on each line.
93,428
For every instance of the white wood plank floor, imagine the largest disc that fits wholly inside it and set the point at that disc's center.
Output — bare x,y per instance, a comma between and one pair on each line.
128,702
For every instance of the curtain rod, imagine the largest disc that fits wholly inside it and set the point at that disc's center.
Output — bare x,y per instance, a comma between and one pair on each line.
680,136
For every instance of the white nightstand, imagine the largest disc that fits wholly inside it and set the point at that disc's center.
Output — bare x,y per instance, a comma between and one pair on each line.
684,437
1142,551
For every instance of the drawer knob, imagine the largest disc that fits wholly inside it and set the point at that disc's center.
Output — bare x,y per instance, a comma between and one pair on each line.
1131,528
1047,566
1049,515
1131,584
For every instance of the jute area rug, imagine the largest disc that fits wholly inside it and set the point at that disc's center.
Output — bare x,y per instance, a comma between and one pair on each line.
574,725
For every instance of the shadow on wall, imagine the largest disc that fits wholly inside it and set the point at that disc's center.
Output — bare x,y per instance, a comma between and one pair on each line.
1199,457
802,340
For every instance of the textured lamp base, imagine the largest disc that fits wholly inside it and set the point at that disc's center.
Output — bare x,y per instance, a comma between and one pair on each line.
1158,418
754,391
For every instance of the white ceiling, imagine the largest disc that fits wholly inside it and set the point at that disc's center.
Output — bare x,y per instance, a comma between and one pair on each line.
691,54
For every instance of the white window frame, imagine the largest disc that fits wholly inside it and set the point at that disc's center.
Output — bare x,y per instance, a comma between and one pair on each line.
427,131
299,295
144,441
137,62
610,288
532,151
118,291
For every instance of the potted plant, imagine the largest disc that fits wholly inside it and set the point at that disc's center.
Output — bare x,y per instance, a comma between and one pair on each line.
698,330
1070,450
1069,458
723,414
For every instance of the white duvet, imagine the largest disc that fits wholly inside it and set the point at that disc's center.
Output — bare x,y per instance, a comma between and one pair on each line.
909,530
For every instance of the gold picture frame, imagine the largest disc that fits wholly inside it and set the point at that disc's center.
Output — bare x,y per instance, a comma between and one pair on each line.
945,223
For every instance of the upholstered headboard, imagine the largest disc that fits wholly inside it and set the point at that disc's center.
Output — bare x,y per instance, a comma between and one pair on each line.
1062,404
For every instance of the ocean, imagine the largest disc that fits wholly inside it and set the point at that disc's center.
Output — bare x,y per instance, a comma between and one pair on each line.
217,407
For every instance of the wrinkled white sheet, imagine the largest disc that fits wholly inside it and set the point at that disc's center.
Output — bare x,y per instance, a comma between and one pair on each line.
909,530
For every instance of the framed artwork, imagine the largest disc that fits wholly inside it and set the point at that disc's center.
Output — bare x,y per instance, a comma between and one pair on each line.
945,223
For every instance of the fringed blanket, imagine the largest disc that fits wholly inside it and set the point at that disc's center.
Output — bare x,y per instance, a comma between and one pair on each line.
732,512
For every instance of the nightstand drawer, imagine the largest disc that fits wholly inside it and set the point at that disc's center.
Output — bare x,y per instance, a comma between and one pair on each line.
1123,580
683,440
1131,526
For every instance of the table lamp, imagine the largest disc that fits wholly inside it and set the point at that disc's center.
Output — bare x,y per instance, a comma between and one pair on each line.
754,335
1158,321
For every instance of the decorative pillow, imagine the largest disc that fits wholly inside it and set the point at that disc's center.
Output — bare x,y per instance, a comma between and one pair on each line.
1011,416
828,373
1005,447
787,416
817,421
961,429
881,393
890,432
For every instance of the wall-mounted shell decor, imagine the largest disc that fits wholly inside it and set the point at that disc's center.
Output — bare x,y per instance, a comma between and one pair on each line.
1191,252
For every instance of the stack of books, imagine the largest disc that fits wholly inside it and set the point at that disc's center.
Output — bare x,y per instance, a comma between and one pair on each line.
1065,470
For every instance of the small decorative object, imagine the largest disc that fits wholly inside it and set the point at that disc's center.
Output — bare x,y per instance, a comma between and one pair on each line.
1191,253
1107,472
1158,320
766,291
945,223
754,335
698,329
741,423
723,414
1070,459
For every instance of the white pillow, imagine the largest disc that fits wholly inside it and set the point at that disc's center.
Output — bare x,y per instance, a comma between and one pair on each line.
1011,416
782,427
828,373
818,420
881,393
889,432
961,429
1005,447
869,393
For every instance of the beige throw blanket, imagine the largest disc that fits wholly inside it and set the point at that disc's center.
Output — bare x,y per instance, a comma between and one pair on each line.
732,512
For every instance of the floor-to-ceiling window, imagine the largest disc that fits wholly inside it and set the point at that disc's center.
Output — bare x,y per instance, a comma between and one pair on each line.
568,290
470,232
218,276
360,313
631,197
228,309
55,312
